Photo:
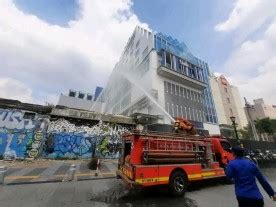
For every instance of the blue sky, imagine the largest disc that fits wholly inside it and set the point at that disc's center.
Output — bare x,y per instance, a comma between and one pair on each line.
74,44
53,11
189,21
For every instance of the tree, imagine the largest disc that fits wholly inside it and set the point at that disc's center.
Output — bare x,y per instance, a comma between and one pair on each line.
264,126
246,132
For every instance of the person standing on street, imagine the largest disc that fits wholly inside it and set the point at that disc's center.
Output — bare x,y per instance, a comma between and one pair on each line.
244,173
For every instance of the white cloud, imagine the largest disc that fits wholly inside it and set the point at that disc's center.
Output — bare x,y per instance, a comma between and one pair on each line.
50,59
251,65
14,89
247,16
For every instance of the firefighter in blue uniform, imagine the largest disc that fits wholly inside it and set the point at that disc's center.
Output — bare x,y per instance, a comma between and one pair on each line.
244,173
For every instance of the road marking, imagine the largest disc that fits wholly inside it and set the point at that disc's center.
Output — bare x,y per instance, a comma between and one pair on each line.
109,173
21,177
62,175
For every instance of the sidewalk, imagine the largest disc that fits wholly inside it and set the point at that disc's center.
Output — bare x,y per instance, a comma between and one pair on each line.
55,171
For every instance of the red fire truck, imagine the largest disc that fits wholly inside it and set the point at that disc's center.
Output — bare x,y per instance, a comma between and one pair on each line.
151,158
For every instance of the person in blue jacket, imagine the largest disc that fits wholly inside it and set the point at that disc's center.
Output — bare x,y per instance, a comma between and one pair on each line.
244,173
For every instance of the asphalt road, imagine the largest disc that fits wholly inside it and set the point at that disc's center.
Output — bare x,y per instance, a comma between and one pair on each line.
112,192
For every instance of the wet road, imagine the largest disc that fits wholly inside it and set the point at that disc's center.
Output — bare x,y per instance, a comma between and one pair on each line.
112,192
211,193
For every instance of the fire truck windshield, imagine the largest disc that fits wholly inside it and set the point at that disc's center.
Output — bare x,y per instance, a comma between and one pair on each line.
226,146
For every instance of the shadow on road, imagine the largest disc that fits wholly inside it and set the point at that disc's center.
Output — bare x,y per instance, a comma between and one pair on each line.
153,196
158,196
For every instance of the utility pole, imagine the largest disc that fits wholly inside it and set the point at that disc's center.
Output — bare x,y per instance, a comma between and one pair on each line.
251,122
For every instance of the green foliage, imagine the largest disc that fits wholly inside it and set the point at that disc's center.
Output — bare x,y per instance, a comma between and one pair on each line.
273,123
104,146
246,132
264,126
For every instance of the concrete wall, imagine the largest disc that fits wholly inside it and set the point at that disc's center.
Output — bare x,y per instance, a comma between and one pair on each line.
77,103
66,140
25,134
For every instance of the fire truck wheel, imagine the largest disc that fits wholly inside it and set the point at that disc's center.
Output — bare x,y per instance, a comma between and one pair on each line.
178,183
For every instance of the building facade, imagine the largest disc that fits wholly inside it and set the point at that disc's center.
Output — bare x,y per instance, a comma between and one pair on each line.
227,102
260,110
81,100
157,75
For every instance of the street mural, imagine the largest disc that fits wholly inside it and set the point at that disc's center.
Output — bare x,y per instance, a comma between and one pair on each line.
20,136
66,140
25,134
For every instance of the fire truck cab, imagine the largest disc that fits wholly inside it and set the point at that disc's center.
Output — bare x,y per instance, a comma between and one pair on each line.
151,158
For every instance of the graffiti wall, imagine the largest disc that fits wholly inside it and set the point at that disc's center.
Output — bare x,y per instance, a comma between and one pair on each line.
25,134
66,140
21,134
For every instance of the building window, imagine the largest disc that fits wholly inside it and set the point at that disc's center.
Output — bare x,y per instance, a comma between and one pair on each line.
207,118
200,116
168,108
137,43
191,94
193,114
184,91
145,52
168,60
231,112
228,99
177,110
215,119
137,53
180,91
190,116
169,86
211,118
166,86
137,62
188,93
186,116
72,93
89,97
176,89
81,95
225,90
196,115
181,109
172,86
172,111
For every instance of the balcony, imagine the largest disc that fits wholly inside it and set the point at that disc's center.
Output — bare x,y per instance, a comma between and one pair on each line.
183,79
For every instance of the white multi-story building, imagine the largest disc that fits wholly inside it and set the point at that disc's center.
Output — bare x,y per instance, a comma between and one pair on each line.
81,100
157,75
260,110
227,102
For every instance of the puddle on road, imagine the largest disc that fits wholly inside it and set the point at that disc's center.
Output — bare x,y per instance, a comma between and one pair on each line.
149,197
